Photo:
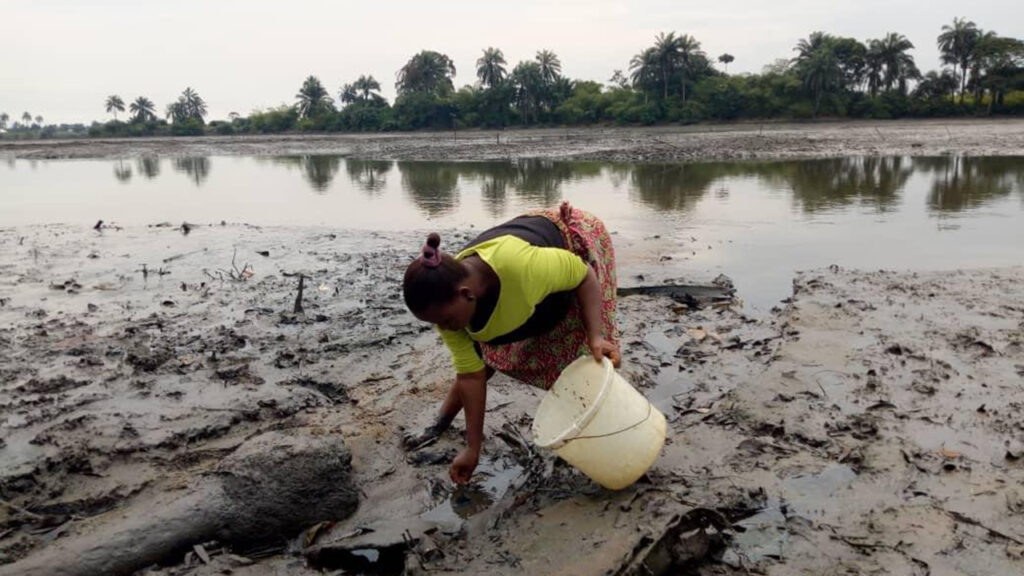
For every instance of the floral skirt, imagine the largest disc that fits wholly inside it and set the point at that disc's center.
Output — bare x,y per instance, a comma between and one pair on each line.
539,360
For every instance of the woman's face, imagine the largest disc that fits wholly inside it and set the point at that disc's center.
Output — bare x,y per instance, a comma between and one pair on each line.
454,314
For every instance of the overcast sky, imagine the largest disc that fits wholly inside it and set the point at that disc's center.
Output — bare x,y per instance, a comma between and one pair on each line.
62,58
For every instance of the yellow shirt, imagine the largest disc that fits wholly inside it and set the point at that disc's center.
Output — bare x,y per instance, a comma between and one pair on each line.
528,274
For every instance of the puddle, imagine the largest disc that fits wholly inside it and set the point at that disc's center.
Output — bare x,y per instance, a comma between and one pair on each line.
808,495
491,481
765,534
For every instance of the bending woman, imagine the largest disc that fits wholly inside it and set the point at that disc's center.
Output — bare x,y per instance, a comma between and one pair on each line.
525,298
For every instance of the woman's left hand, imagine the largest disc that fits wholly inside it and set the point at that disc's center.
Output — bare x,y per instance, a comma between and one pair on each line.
602,348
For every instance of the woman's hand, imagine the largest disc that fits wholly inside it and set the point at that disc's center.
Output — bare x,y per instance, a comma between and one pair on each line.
602,348
463,466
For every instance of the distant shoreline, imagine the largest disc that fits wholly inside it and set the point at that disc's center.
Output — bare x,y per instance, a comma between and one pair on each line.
699,142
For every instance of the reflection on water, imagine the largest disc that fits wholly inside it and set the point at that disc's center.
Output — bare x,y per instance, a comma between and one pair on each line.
435,188
965,183
825,184
149,167
368,175
197,168
432,186
122,171
675,187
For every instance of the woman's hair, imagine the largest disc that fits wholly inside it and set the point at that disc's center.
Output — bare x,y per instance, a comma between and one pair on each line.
432,278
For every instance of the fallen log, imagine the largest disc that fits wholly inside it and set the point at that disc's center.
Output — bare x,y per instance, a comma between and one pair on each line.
693,295
270,488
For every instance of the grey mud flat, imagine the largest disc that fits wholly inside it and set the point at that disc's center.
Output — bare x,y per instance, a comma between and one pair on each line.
869,425
761,141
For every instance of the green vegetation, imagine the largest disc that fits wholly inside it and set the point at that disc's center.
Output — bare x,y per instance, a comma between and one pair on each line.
671,81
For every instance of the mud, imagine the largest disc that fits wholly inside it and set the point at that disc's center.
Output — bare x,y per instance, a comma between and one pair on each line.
868,425
773,140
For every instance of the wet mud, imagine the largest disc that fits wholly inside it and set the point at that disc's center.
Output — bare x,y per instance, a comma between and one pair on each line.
770,140
869,424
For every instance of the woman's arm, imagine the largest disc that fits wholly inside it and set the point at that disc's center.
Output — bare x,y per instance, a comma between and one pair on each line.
472,391
589,295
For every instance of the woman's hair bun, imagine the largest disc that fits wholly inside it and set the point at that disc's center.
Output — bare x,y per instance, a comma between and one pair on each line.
434,240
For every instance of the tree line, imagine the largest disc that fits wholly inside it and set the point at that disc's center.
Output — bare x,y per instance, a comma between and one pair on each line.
671,81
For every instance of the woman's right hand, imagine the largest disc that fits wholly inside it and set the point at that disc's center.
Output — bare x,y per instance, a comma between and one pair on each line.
602,348
463,466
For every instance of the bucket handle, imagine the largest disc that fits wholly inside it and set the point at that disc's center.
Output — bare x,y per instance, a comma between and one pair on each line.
650,409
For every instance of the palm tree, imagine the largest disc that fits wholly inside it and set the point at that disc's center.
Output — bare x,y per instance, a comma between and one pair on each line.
348,94
39,120
817,66
644,70
26,117
874,64
808,46
934,85
688,53
143,110
490,68
114,105
195,107
4,118
366,86
313,98
986,48
428,72
667,50
956,43
550,66
176,111
899,66
726,59
528,80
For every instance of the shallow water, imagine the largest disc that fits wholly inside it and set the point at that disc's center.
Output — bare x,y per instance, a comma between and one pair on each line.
756,222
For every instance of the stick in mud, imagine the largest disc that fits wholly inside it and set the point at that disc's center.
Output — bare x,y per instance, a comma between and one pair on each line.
298,298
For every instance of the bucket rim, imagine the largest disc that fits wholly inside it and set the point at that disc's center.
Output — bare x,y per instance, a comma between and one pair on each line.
577,427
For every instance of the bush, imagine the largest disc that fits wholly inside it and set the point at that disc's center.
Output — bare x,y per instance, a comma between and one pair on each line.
222,128
689,112
273,121
801,110
363,117
416,111
190,127
1013,103
723,97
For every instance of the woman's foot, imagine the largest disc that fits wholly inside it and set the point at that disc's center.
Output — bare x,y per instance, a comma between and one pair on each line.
412,441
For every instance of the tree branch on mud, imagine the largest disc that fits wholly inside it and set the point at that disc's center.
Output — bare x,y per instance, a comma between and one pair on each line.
235,275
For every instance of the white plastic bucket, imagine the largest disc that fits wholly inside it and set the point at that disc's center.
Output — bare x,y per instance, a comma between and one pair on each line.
596,421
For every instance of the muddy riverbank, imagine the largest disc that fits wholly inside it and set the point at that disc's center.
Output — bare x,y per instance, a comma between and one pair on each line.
869,425
990,137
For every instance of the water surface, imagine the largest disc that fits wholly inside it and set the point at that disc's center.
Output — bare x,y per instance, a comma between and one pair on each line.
757,222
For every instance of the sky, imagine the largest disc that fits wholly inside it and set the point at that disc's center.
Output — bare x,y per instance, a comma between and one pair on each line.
62,58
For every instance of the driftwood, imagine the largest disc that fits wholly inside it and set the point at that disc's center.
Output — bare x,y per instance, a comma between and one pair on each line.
693,295
271,487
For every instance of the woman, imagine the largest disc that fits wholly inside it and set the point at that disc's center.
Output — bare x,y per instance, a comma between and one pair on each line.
525,298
